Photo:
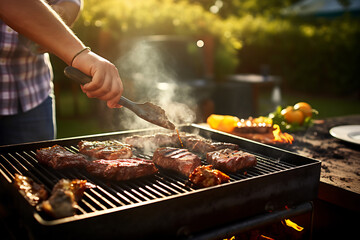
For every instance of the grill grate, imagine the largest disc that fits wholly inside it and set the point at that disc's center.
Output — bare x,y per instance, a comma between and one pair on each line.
279,177
110,194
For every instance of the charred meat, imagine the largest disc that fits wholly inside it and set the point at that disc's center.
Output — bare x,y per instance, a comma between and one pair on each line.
121,169
253,125
110,149
33,192
64,198
229,160
204,145
176,159
192,142
58,157
206,176
151,142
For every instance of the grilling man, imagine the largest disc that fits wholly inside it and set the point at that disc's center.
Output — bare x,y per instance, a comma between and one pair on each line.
26,89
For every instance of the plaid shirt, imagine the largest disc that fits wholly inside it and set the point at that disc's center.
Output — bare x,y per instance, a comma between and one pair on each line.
25,76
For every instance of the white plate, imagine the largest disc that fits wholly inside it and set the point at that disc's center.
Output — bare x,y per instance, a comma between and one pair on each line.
349,133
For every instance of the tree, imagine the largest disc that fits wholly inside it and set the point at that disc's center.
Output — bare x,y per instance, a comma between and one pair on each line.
240,8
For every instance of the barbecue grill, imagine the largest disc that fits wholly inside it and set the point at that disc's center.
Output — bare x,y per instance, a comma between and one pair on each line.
163,205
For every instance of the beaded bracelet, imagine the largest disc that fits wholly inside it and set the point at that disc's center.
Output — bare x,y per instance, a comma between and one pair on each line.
86,48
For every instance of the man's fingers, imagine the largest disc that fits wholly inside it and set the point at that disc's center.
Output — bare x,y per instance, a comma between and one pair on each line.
106,83
110,91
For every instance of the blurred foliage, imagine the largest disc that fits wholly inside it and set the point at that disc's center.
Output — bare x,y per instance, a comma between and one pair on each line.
240,8
319,56
314,55
125,19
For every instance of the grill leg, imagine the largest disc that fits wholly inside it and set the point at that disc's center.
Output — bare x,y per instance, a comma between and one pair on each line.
311,220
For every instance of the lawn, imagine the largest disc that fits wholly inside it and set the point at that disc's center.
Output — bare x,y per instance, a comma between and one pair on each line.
326,106
74,115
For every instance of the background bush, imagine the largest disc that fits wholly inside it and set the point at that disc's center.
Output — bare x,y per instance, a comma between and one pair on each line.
312,55
318,57
125,19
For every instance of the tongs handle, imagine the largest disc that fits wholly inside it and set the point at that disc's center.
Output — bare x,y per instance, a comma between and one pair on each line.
77,75
82,78
147,111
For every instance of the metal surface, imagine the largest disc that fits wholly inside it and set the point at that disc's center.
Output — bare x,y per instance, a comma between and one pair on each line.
255,222
147,111
162,205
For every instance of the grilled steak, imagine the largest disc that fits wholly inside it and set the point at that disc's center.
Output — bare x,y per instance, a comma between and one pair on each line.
176,159
58,157
205,176
192,142
110,149
152,142
204,145
230,160
121,169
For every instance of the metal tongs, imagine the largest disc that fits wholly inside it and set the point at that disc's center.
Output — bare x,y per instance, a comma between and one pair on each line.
147,111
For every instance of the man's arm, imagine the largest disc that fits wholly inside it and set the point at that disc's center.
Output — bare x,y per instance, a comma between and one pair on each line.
38,22
68,11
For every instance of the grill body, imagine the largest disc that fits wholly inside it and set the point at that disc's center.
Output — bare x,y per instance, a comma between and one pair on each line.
164,205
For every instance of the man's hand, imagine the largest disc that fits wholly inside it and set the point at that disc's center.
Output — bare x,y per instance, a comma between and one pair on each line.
106,83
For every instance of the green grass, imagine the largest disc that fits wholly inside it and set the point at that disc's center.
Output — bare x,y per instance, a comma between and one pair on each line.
328,107
74,115
77,127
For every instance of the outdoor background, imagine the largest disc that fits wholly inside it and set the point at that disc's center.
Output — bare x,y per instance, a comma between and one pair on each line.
315,55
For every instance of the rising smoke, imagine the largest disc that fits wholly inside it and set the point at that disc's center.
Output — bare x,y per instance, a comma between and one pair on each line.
147,76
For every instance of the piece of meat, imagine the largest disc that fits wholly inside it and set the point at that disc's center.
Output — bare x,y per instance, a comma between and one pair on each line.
64,198
58,157
33,192
253,125
176,159
121,169
110,149
204,146
192,142
206,176
253,129
154,141
159,139
229,160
